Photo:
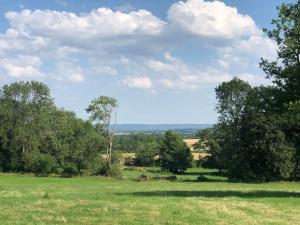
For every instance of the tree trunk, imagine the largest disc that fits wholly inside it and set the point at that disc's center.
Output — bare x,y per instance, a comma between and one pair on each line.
109,152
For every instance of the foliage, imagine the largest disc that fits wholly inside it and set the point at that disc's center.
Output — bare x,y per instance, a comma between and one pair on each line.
285,72
70,171
132,142
101,110
258,132
104,169
36,136
146,153
174,154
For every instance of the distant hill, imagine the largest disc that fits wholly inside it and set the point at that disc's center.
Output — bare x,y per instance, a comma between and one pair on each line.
159,128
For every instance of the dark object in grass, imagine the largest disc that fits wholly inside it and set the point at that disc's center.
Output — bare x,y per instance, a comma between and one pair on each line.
46,196
143,177
170,178
202,178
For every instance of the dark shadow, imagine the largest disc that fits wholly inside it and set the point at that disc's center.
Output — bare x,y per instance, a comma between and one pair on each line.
154,171
216,194
209,180
205,173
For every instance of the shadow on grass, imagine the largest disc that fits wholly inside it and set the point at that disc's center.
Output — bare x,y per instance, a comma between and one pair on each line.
196,173
216,194
205,173
154,171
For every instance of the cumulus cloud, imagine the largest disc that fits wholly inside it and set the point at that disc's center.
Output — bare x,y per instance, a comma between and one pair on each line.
139,82
68,72
22,66
100,29
211,19
135,42
177,74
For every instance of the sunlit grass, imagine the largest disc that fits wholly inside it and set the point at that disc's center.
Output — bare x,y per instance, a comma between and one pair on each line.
98,200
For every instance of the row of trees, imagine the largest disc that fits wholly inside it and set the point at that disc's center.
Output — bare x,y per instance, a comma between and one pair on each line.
258,133
36,136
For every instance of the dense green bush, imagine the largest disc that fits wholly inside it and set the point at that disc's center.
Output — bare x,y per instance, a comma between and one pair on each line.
36,136
116,167
174,155
70,171
146,153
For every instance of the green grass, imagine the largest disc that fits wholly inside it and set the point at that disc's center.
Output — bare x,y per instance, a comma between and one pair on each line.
27,199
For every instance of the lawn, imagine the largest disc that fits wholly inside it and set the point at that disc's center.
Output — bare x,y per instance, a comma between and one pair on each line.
26,199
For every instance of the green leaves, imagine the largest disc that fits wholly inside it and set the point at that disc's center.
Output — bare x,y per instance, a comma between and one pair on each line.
174,155
35,136
101,110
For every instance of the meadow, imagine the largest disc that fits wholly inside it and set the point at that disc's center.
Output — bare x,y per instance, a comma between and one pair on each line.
26,199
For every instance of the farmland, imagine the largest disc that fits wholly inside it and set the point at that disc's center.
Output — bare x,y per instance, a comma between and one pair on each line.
26,199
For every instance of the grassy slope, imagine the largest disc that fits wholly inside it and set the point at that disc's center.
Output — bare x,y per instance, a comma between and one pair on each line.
92,200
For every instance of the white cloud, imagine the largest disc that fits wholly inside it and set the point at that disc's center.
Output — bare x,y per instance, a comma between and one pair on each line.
105,70
139,82
177,74
246,53
22,66
159,66
68,72
132,40
211,19
99,23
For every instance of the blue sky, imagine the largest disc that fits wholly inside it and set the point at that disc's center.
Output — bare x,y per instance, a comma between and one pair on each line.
160,59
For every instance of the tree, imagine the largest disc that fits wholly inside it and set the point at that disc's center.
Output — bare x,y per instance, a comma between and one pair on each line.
24,106
265,152
285,71
146,153
204,136
231,97
36,136
101,110
174,155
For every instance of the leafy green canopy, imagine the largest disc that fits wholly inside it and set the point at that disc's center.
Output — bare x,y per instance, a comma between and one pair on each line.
36,136
174,154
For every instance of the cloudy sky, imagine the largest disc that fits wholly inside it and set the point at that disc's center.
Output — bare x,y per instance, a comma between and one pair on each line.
160,59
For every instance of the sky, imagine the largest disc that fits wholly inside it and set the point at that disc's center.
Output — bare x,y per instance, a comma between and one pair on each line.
160,59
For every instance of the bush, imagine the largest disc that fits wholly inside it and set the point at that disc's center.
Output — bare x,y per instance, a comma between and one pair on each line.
102,168
174,155
40,164
207,162
202,178
146,153
114,171
143,177
70,171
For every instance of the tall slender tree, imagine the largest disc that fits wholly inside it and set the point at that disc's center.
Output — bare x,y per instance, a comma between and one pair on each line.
102,110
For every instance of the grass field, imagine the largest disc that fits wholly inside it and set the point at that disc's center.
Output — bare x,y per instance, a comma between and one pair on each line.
27,199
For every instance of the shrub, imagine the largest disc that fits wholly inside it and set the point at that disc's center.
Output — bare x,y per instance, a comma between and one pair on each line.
202,178
207,162
115,170
40,164
174,155
70,171
146,153
143,177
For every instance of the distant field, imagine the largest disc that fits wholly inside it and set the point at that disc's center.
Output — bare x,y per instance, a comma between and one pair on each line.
95,200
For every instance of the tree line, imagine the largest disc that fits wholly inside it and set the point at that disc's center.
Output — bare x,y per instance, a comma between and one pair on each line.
257,136
37,136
